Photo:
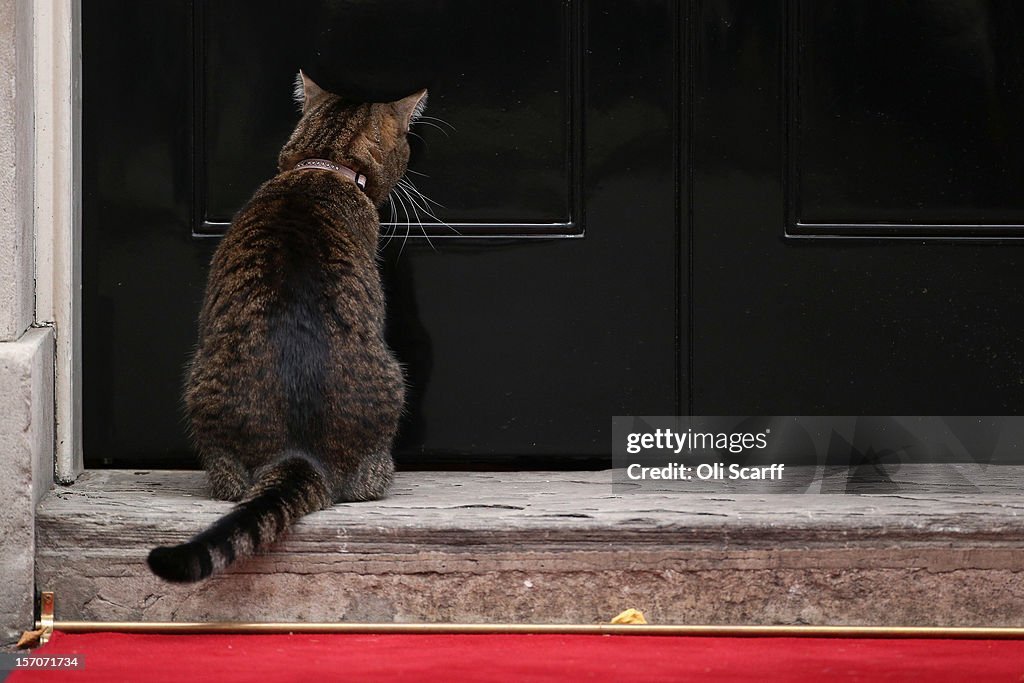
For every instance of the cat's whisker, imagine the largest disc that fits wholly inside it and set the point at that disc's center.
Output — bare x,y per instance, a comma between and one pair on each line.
418,191
416,197
441,222
423,230
408,227
408,223
394,217
417,135
418,204
394,214
391,220
409,185
409,170
421,117
401,205
415,210
432,125
414,203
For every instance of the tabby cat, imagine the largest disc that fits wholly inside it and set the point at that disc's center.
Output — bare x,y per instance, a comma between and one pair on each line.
292,395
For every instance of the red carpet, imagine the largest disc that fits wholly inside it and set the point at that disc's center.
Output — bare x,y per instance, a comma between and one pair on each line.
111,657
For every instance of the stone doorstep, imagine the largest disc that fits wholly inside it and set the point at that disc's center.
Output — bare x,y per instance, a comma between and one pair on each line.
554,547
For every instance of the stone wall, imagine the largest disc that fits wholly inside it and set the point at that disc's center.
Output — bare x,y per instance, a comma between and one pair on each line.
26,352
16,169
26,468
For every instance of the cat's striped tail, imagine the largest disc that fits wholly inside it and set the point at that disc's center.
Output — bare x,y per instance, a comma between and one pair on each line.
291,488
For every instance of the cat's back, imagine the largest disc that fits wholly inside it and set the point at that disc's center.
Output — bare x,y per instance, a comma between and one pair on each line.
294,297
304,239
296,273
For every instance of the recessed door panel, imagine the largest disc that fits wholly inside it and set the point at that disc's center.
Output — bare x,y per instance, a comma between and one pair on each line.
850,326
497,154
904,118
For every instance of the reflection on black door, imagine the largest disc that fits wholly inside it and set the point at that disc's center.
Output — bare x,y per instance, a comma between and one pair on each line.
722,207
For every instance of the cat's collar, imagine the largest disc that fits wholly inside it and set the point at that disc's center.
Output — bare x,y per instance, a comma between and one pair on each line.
328,165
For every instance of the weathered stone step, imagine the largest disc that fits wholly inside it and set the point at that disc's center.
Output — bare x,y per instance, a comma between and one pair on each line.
553,547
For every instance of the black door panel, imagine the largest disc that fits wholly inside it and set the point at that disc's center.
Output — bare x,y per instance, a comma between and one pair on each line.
503,77
905,118
518,347
840,326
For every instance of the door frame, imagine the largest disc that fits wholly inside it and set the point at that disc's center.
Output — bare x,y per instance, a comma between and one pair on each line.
57,58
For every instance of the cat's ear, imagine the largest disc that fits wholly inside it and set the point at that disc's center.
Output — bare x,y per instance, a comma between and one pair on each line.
306,91
409,108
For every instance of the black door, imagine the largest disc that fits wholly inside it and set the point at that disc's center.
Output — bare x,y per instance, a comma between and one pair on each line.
716,207
857,174
546,301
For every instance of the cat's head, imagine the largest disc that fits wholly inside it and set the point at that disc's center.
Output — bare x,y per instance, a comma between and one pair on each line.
369,137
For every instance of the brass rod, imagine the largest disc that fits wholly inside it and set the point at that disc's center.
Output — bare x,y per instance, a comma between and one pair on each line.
574,629
45,617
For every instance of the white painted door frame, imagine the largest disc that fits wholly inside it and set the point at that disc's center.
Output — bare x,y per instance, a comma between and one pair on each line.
57,57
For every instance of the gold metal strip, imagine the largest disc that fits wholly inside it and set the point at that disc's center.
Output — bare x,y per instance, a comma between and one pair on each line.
46,620
48,624
574,629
